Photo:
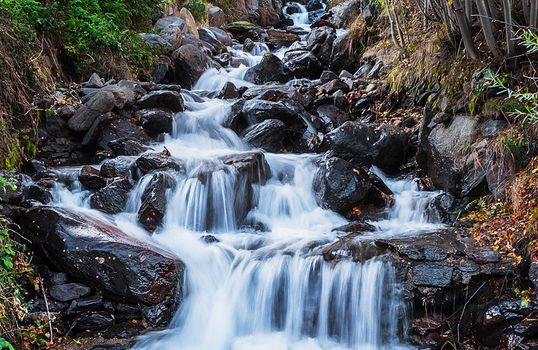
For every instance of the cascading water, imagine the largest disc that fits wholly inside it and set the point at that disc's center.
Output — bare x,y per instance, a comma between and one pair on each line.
263,289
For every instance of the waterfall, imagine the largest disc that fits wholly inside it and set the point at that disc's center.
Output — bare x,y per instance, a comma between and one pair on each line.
262,286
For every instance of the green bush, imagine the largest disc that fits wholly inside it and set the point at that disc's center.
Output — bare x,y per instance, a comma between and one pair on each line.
197,8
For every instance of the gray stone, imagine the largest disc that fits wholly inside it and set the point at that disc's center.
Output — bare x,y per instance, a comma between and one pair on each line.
69,291
432,275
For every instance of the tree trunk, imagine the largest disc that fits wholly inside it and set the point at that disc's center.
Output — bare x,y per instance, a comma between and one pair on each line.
487,28
469,12
526,6
533,15
510,44
464,29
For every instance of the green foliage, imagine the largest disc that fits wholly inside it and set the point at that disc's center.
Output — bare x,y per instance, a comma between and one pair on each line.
514,144
197,8
87,28
4,344
13,157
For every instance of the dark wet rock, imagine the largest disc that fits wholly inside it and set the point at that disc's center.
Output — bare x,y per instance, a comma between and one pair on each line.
269,69
268,134
230,91
339,186
441,208
251,165
362,143
190,63
158,315
84,305
269,91
93,321
216,17
327,76
533,274
210,239
112,198
355,226
332,116
333,86
171,100
91,178
432,275
485,256
243,30
343,55
121,129
447,150
38,193
56,126
92,250
117,167
127,147
155,121
150,162
303,65
314,5
257,111
57,278
152,210
102,102
69,291
320,43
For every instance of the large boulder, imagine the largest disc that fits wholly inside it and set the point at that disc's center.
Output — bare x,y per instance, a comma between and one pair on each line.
251,165
345,13
190,22
191,62
368,144
259,110
270,135
320,42
112,198
151,212
271,68
156,121
171,100
170,21
447,150
94,251
303,64
101,103
339,186
150,162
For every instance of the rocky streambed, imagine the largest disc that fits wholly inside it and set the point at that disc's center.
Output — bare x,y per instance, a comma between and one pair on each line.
249,198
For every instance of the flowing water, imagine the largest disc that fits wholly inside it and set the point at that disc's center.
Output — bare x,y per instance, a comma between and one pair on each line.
265,288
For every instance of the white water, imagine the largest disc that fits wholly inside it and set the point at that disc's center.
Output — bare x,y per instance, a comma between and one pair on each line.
263,289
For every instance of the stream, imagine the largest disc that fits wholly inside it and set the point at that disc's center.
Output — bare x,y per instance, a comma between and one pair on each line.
262,285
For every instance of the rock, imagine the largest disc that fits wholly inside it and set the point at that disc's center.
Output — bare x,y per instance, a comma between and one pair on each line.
268,134
95,81
339,186
93,321
94,251
493,127
304,65
190,22
112,198
280,38
150,162
90,178
355,226
440,208
57,278
243,30
56,126
320,42
118,167
121,129
38,193
155,121
269,69
155,40
447,150
267,17
216,17
332,116
171,100
127,147
151,212
230,91
533,274
102,102
84,305
361,143
169,21
69,291
345,13
251,165
209,37
333,86
259,110
327,76
190,63
343,54
432,275
485,256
